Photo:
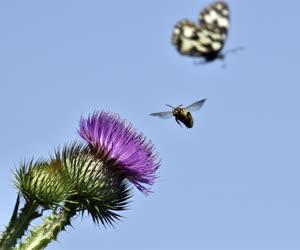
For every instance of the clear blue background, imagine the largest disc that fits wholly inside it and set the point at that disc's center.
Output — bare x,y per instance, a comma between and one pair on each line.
231,182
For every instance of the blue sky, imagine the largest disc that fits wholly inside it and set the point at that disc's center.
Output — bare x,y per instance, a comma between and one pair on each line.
231,182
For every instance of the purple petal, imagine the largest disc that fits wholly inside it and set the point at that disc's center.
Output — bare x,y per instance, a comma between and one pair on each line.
108,135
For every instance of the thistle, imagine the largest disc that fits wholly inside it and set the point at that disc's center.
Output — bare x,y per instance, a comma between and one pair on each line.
42,187
44,183
124,151
93,189
91,177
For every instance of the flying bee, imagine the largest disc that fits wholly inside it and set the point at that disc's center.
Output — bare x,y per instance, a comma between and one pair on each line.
181,114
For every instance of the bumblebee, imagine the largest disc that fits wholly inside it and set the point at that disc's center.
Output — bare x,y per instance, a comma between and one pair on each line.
181,114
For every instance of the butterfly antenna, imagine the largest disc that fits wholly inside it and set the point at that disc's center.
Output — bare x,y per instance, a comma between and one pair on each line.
234,50
223,55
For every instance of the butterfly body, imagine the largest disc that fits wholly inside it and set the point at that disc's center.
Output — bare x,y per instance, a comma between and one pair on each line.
182,114
207,38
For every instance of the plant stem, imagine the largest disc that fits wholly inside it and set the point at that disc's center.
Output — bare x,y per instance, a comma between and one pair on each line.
41,236
18,224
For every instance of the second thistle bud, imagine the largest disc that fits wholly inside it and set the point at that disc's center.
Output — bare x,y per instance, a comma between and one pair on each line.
43,182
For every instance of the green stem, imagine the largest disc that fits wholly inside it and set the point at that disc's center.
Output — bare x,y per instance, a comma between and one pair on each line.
12,220
18,224
41,236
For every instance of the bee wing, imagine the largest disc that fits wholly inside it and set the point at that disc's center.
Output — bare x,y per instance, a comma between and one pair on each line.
196,105
163,115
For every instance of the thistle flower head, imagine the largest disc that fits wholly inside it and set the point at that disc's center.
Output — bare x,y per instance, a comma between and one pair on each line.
42,182
94,189
124,150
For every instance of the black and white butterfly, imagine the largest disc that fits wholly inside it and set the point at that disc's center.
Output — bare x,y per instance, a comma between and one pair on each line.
207,39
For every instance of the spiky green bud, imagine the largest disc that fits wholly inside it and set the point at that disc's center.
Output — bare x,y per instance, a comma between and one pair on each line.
95,188
43,182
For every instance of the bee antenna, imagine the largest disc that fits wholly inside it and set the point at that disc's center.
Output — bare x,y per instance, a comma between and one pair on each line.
170,106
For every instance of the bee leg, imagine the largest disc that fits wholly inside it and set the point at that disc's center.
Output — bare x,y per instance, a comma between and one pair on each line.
178,121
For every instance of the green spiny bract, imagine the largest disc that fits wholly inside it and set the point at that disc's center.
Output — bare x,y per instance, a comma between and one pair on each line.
43,182
92,188
95,188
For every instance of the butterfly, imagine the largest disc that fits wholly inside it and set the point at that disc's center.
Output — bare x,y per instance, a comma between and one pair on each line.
207,39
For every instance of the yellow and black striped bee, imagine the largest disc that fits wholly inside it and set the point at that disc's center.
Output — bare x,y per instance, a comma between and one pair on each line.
181,114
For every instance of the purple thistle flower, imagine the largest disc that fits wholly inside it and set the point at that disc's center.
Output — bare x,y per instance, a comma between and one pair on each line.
121,147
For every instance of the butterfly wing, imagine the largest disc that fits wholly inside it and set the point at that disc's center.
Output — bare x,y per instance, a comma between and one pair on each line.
187,39
206,39
163,115
214,25
196,105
